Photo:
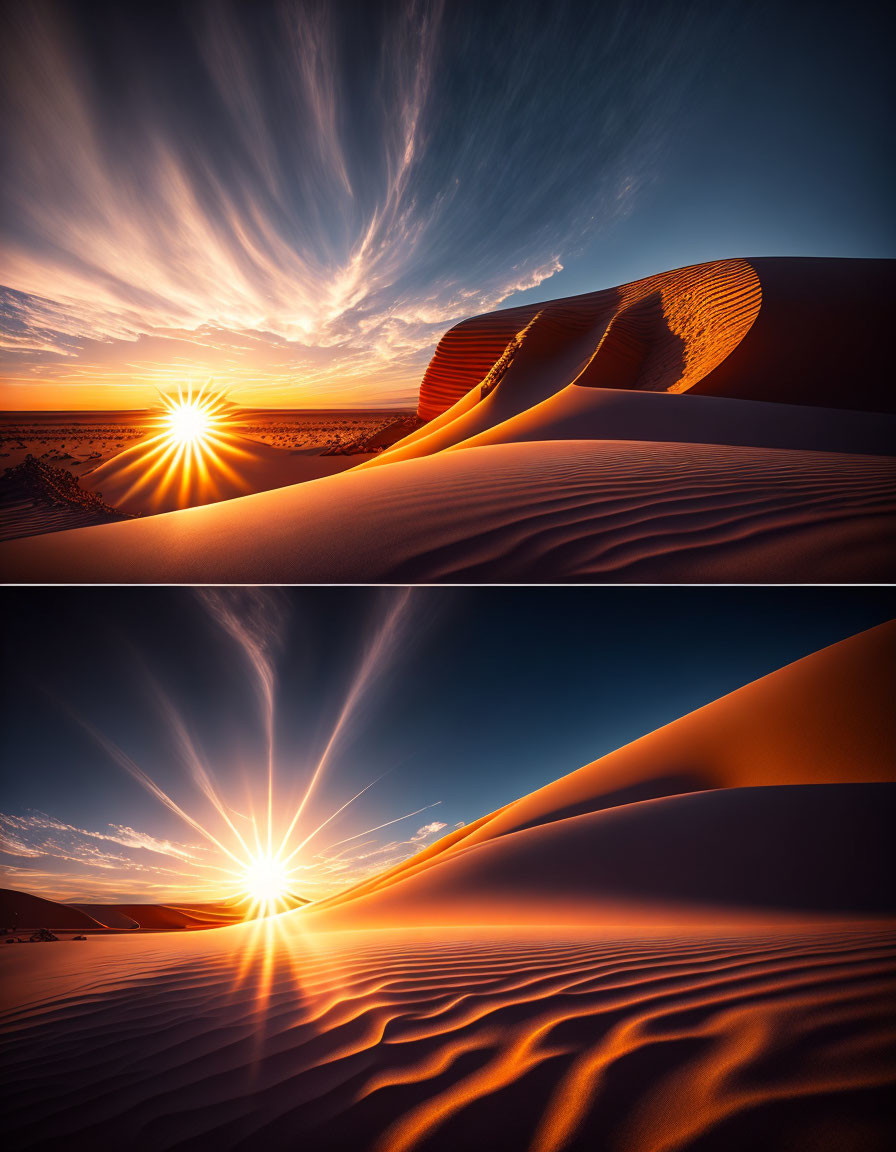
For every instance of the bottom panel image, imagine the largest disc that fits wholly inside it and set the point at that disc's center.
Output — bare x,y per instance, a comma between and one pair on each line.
420,869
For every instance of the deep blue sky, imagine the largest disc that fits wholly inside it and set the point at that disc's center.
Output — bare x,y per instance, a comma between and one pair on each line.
472,698
298,198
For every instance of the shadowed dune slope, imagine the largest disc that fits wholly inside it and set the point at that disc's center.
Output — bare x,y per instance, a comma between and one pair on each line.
35,912
109,917
826,719
162,917
604,414
798,850
569,510
796,330
24,911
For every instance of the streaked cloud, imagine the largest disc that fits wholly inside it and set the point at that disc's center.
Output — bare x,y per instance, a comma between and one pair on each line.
299,199
38,834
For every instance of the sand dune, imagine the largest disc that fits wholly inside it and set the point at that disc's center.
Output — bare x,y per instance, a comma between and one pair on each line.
22,911
726,422
771,852
661,332
162,917
605,414
596,511
824,720
134,481
799,331
29,912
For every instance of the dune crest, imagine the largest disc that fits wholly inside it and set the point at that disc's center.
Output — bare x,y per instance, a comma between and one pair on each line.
673,331
815,736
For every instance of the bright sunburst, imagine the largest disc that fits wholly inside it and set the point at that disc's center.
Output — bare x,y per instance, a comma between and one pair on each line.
189,420
188,423
267,881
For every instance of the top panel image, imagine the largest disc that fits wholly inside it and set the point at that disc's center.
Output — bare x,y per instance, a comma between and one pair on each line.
424,293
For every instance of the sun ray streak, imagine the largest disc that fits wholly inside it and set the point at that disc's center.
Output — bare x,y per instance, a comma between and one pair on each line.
333,816
255,876
124,761
373,658
397,820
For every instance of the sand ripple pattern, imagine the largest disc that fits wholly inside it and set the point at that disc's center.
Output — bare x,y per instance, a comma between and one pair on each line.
617,511
663,333
513,1040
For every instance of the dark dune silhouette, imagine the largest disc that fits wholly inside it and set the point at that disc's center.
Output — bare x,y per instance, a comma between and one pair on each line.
27,912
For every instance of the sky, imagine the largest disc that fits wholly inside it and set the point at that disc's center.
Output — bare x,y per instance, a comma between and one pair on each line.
141,725
297,199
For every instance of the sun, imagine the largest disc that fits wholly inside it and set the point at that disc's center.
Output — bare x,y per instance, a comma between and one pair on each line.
266,881
192,423
188,422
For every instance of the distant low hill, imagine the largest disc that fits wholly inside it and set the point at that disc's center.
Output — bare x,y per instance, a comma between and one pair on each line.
24,912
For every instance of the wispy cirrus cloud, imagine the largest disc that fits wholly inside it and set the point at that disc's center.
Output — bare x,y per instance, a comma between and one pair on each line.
37,834
299,199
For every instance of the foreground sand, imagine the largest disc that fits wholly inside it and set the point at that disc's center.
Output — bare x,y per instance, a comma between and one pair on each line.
265,1036
589,510
727,422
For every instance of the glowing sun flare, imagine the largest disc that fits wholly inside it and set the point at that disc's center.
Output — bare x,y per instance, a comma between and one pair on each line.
188,422
190,418
266,880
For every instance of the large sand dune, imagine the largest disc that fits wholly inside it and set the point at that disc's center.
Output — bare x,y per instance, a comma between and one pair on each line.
705,962
724,856
726,422
785,329
757,756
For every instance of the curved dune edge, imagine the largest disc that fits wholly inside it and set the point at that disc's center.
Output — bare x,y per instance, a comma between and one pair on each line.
795,330
661,333
614,511
824,721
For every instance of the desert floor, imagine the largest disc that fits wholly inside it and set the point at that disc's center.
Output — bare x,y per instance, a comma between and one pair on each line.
269,1035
